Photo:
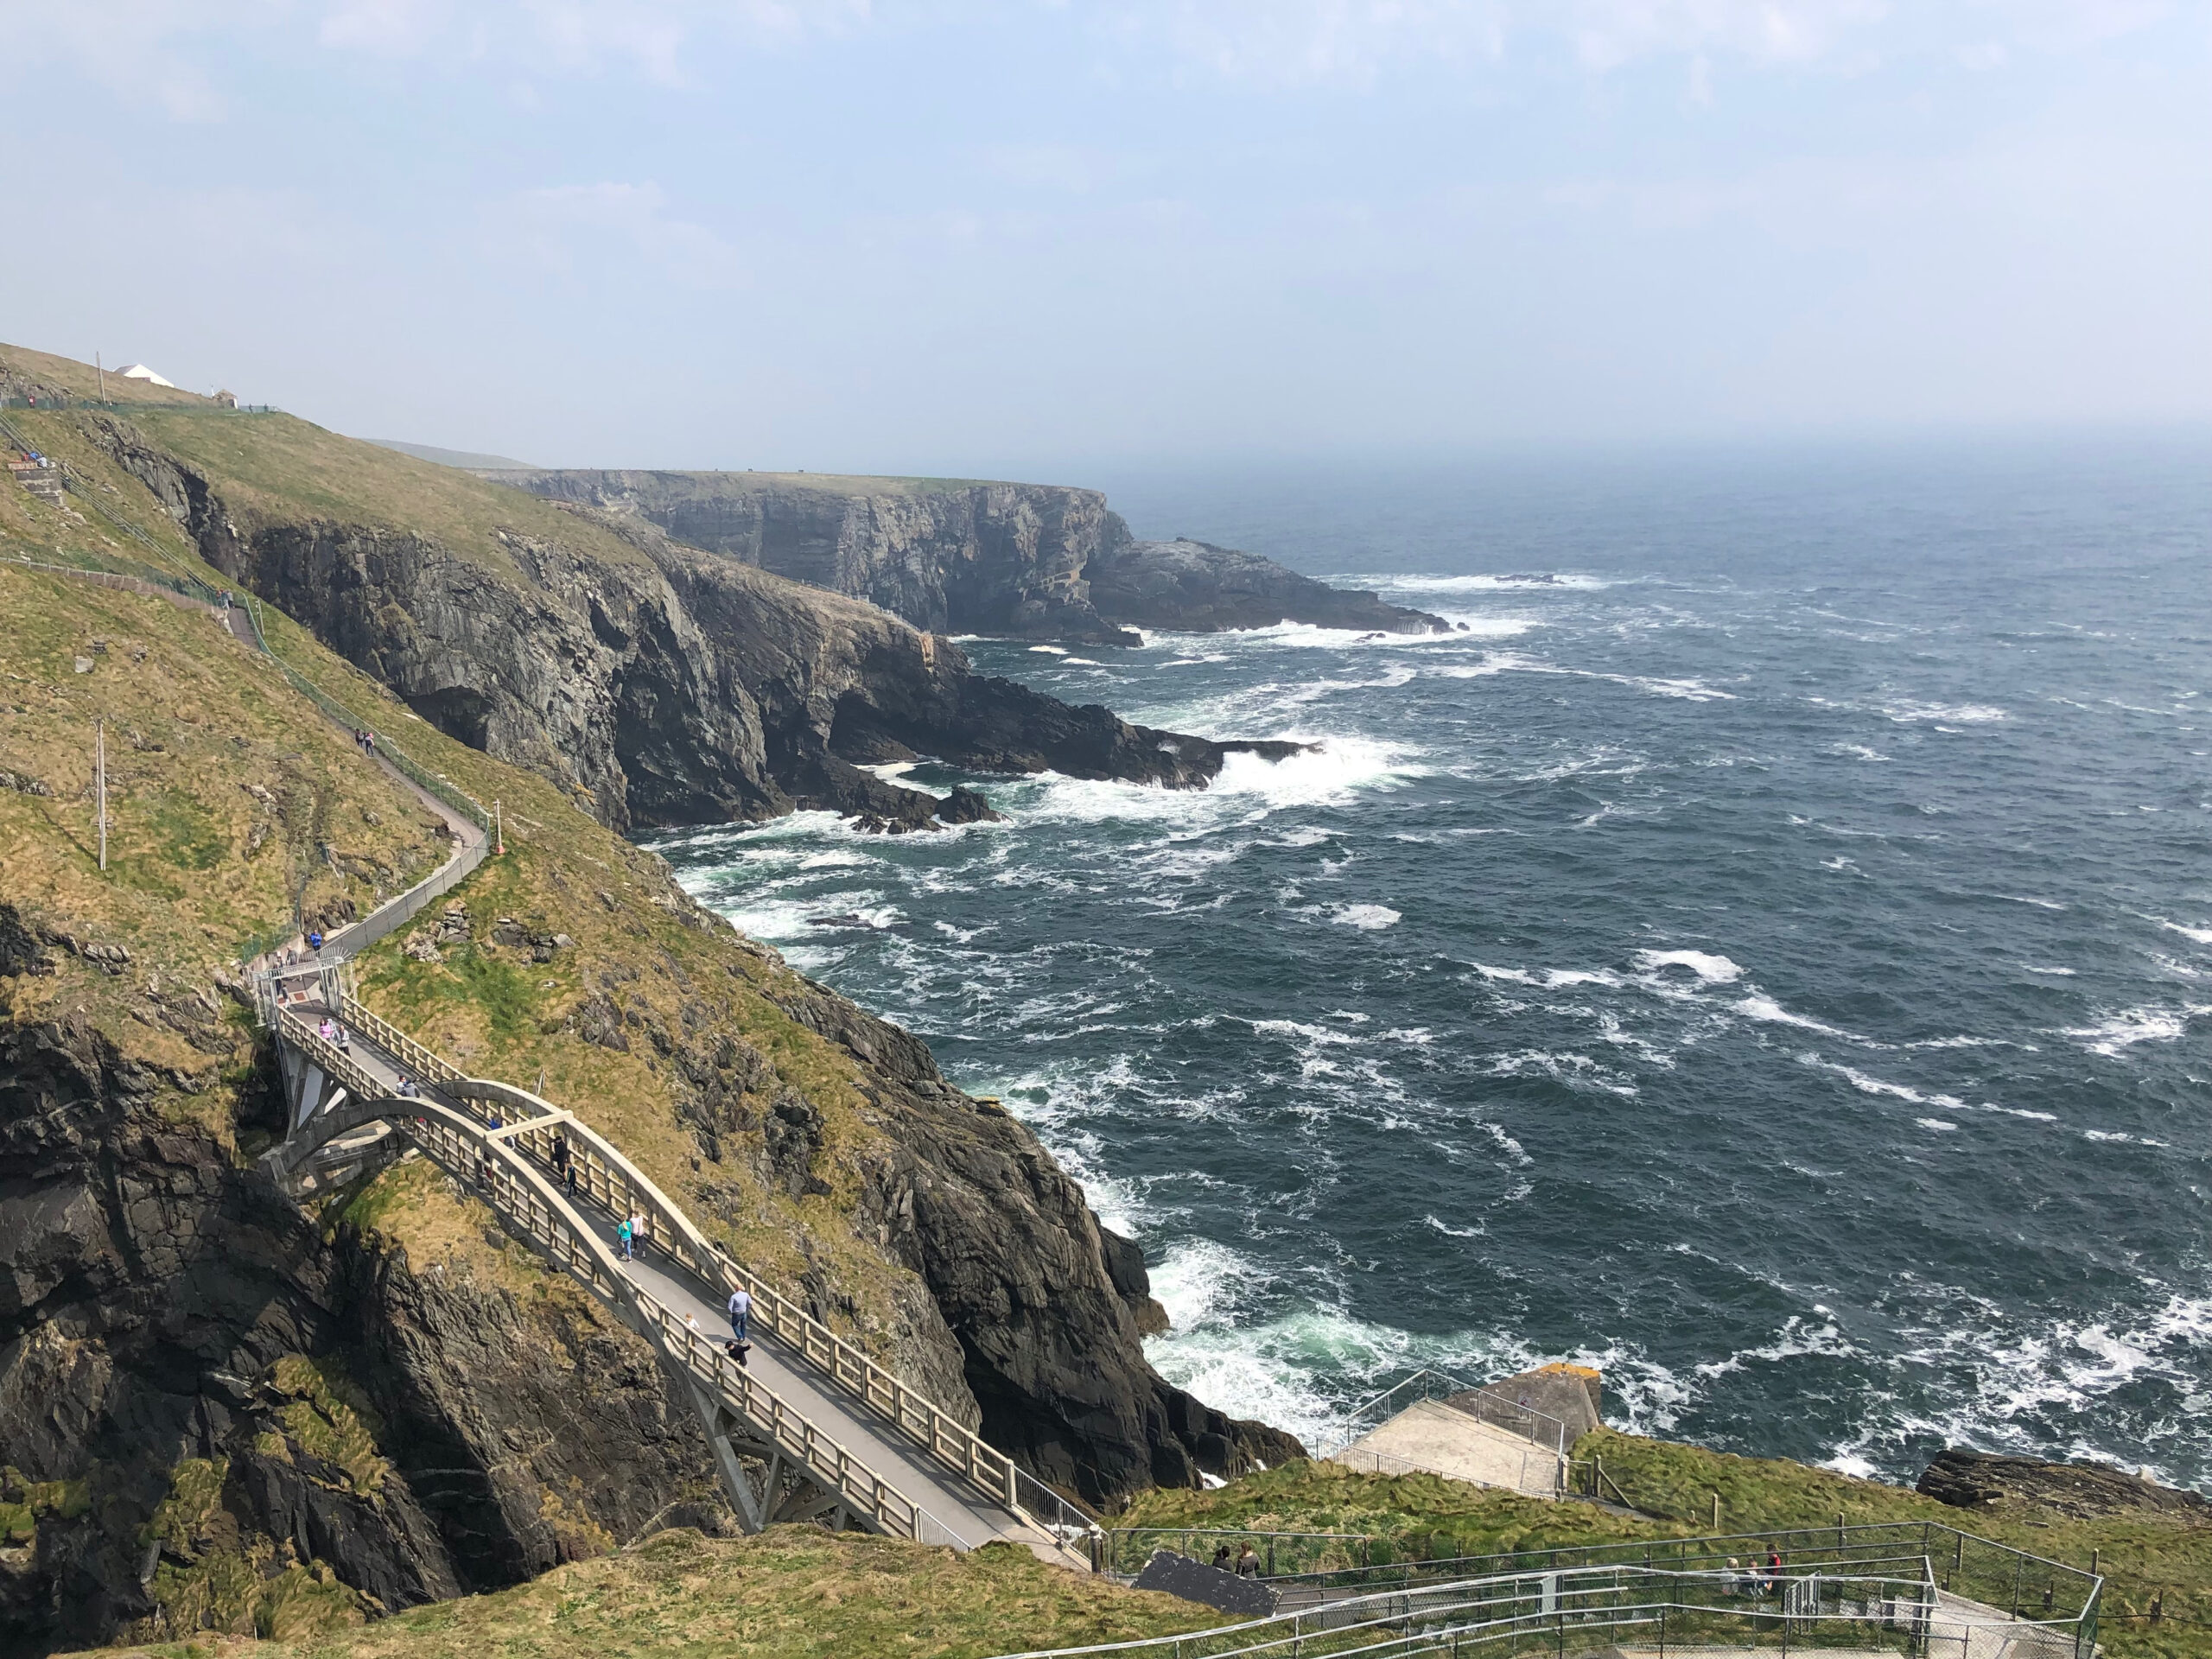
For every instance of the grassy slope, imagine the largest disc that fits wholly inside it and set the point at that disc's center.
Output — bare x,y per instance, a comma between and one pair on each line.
197,865
186,889
493,1009
1426,1515
793,1593
490,1008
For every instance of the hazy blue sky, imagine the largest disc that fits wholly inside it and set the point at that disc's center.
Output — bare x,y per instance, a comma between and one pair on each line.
1026,238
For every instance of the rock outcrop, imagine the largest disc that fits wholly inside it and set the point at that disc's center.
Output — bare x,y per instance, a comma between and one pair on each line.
659,684
211,1415
1197,587
1049,1307
1023,561
1988,1480
950,557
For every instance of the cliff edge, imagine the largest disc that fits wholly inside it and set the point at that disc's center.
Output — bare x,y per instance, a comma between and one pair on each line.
955,556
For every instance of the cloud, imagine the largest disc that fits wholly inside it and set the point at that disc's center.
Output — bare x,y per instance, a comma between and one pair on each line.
150,51
1352,42
655,37
568,228
143,52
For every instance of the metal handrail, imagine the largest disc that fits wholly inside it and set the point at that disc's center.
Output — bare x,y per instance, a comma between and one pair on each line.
609,1176
1450,1614
1859,1544
514,1183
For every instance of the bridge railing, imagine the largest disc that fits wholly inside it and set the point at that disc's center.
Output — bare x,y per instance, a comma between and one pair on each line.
1628,1609
608,1177
513,1185
2009,1582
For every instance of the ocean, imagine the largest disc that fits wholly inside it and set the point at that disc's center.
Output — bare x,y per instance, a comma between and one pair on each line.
1767,954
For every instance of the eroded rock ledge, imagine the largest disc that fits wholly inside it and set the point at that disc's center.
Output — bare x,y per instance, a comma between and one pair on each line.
1022,561
669,686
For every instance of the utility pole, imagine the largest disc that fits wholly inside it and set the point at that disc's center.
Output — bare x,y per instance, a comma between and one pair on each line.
100,788
498,832
102,370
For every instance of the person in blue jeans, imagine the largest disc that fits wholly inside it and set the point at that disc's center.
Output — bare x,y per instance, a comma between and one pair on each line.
622,1237
740,1313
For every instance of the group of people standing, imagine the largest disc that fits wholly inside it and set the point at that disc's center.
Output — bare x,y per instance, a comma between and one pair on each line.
1245,1566
1762,1579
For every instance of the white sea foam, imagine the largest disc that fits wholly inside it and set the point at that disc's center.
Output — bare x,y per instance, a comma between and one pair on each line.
1513,662
1873,1085
1371,918
2200,935
1336,772
1941,1125
1965,714
1710,969
1295,1028
1575,1070
1760,1006
2049,969
1796,1340
2132,1026
1476,1231
1515,582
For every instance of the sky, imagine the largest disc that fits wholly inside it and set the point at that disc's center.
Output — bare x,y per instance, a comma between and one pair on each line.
1027,238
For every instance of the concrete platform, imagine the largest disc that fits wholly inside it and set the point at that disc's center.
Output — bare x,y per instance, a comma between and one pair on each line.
1437,1439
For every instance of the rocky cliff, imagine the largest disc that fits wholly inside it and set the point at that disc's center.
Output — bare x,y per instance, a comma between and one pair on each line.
216,1411
1025,560
659,684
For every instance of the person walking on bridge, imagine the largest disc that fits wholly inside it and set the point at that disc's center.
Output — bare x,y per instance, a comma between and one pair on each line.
563,1165
741,1312
622,1236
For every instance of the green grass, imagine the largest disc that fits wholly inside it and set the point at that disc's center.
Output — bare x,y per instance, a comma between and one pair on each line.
1425,1516
793,1593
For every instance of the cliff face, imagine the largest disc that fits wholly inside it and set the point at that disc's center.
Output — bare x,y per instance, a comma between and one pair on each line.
949,558
305,1417
215,1415
1049,1306
659,684
1024,560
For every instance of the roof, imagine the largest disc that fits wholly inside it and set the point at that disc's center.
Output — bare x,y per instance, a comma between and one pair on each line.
140,372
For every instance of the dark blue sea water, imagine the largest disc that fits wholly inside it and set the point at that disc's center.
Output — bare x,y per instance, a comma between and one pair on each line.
1767,955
